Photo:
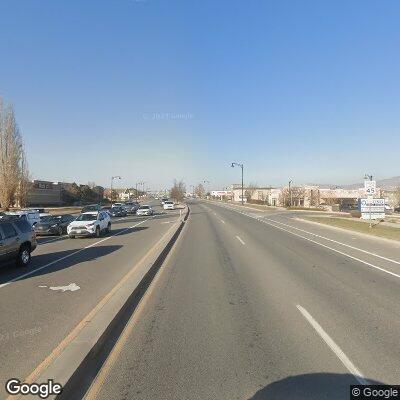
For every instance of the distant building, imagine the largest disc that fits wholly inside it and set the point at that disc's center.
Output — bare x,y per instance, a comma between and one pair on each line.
44,193
307,196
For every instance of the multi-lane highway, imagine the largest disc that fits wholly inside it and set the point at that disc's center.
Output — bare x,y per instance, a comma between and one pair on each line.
67,278
256,305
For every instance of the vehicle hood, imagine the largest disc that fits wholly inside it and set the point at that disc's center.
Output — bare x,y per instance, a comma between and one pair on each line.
80,223
40,225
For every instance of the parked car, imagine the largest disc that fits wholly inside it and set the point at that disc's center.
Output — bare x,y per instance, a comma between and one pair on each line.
116,205
169,205
388,209
163,200
117,212
145,210
53,224
91,223
397,210
30,216
17,241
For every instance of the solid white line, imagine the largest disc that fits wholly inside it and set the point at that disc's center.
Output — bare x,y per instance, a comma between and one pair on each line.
222,220
323,245
320,236
335,250
69,255
240,240
335,241
333,346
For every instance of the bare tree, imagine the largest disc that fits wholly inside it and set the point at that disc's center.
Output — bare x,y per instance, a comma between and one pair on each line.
294,197
177,192
251,188
199,191
314,197
284,197
396,196
13,166
24,183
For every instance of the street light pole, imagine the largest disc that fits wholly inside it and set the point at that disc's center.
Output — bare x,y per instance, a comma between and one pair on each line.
112,179
290,193
143,187
241,166
206,182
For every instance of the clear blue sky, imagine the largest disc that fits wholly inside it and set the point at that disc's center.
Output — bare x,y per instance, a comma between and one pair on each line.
308,90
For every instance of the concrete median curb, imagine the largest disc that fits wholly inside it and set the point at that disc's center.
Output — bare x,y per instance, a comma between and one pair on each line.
78,363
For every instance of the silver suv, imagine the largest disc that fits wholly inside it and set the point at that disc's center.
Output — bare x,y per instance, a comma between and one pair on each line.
17,241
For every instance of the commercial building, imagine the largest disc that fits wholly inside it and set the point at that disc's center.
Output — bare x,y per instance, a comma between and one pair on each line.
307,196
44,193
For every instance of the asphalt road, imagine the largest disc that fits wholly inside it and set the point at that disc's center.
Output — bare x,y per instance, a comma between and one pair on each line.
244,309
36,314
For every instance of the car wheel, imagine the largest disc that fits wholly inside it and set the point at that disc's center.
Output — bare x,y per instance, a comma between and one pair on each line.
24,256
60,231
97,231
71,236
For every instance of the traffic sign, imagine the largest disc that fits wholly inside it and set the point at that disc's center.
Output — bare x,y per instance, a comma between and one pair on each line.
370,187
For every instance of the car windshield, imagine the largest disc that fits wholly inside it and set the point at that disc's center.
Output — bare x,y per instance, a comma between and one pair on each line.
87,217
144,207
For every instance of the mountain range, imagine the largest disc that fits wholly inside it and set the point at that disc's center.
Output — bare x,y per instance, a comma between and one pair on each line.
388,183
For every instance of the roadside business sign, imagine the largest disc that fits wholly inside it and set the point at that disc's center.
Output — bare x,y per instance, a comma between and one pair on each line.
370,187
221,193
372,208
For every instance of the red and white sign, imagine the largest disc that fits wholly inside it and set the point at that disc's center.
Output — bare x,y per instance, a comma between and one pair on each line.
221,193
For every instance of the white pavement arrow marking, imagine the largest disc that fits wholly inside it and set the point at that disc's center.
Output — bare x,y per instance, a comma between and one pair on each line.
71,287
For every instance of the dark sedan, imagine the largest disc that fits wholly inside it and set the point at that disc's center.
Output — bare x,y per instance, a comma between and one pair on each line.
117,212
131,207
53,224
107,210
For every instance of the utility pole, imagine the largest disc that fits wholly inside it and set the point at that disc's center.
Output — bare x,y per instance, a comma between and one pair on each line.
241,166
